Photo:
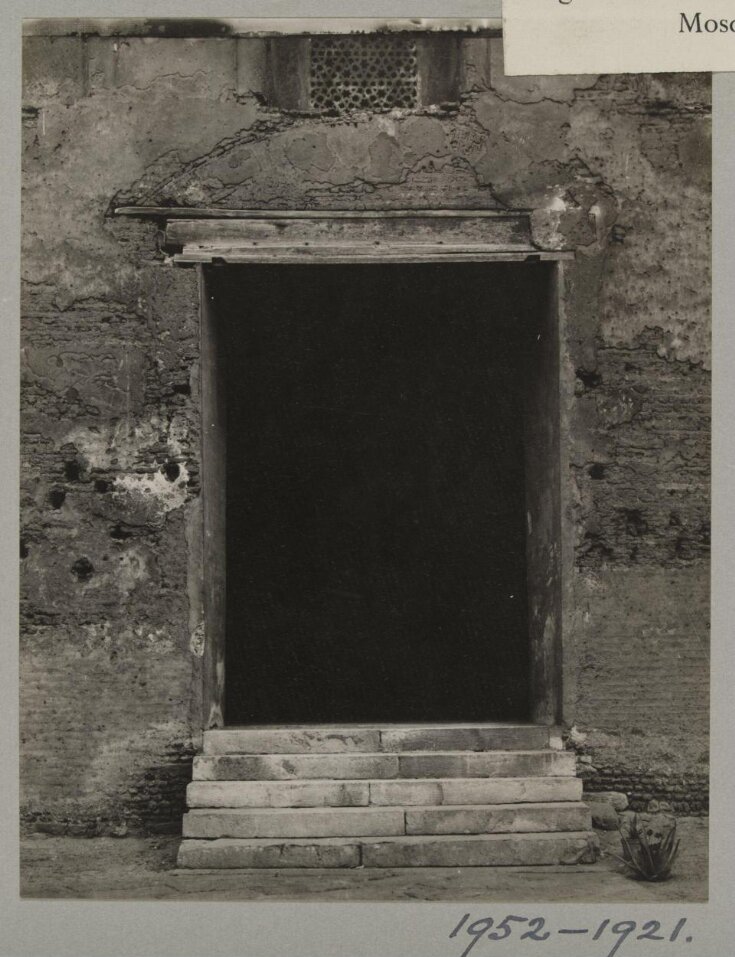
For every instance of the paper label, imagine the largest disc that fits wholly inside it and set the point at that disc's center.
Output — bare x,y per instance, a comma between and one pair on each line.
618,36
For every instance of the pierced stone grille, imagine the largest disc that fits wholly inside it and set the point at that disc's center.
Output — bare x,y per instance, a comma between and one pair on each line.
375,72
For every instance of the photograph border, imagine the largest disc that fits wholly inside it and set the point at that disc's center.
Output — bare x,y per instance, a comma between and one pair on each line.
196,927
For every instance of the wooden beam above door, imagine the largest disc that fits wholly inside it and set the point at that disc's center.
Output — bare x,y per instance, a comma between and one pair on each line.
244,236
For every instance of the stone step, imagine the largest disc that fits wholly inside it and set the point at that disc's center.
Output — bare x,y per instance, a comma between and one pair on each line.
285,822
361,822
488,850
361,793
448,791
330,740
417,764
499,818
278,794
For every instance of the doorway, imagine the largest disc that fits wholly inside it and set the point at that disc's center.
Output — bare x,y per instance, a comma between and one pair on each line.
381,453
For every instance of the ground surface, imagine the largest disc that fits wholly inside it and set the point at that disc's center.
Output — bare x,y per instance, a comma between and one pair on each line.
144,868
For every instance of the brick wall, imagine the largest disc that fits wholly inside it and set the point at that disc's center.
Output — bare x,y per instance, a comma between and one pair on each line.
111,606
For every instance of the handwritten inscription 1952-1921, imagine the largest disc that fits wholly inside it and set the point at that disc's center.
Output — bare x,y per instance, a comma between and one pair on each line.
612,936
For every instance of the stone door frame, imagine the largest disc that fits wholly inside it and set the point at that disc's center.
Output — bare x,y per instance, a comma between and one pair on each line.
201,237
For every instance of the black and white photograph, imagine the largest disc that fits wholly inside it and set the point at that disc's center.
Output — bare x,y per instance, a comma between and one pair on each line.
365,468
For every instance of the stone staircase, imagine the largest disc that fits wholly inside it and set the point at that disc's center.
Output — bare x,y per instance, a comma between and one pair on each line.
391,796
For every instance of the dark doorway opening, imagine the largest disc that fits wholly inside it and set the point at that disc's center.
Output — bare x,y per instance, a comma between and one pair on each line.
376,489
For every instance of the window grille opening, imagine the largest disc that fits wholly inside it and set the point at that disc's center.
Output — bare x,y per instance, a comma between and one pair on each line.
373,72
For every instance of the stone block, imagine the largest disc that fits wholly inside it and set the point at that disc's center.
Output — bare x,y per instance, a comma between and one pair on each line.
505,764
494,819
604,816
276,767
406,792
291,740
286,823
616,799
451,791
232,853
490,850
498,738
277,794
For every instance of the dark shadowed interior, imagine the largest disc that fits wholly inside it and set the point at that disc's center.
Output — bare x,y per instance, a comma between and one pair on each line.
375,500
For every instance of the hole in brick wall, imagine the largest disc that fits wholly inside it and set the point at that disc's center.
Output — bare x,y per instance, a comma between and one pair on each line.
590,380
23,549
618,234
182,388
594,545
83,569
56,497
120,532
72,471
171,470
102,485
596,471
635,523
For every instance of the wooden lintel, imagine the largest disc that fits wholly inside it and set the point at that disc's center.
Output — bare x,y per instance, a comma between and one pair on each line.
205,234
206,212
398,253
327,238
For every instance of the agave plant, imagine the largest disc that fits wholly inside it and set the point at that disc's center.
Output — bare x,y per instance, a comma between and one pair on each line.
649,860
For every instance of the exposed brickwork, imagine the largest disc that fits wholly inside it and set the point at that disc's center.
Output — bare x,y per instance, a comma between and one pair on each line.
614,167
642,708
688,793
110,478
646,485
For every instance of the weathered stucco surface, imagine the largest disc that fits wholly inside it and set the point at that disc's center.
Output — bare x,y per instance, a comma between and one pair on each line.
615,168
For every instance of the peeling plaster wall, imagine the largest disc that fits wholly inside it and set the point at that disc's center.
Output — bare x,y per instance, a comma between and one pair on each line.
616,168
